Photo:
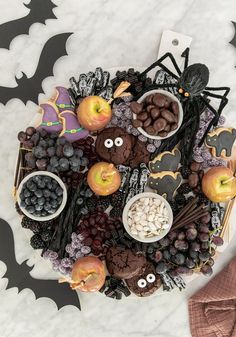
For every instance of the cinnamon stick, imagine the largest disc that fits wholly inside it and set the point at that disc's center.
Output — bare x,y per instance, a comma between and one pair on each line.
185,209
185,222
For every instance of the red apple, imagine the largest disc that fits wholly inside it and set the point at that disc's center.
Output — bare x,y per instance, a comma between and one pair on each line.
219,184
94,113
88,274
103,178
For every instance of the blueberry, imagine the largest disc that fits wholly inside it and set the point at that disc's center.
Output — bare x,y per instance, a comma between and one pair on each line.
33,200
59,200
38,193
68,150
36,179
43,213
38,207
41,201
64,164
32,187
38,214
59,191
41,184
53,195
54,162
61,141
50,143
51,210
54,185
42,143
47,206
49,186
79,153
46,193
30,209
22,204
22,196
54,203
28,201
46,179
27,193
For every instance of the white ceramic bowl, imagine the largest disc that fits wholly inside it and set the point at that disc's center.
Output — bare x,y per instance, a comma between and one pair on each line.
146,195
64,197
172,98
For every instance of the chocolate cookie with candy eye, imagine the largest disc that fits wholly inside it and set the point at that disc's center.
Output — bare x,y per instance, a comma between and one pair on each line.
139,153
146,283
114,145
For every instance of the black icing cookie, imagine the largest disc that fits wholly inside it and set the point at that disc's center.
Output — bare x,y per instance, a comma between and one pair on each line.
165,183
166,161
221,141
146,283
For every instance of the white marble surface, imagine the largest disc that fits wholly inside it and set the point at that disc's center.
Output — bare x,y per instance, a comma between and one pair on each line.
107,33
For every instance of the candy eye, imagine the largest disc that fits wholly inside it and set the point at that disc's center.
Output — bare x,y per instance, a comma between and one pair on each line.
151,278
119,141
142,283
108,143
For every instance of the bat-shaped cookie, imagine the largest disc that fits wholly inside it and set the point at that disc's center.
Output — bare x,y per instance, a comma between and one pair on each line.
18,275
165,161
40,11
28,89
233,41
221,141
165,183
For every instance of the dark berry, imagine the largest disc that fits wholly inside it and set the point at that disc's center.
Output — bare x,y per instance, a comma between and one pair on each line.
36,242
185,172
46,235
180,199
184,189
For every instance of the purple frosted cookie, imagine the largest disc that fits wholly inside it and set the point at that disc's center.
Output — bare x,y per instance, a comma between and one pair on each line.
50,119
72,130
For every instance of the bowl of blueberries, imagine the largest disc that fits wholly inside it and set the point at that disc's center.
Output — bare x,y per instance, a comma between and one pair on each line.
42,195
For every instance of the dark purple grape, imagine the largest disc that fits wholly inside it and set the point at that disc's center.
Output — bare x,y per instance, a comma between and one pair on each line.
178,259
161,268
158,256
51,151
64,164
211,262
35,138
204,256
166,255
30,131
22,136
59,151
39,152
61,141
191,234
164,242
203,228
172,235
206,218
218,241
212,251
206,270
203,237
30,159
193,254
184,270
195,246
43,143
43,133
181,245
190,263
41,164
28,144
54,162
181,236
68,150
173,250
204,245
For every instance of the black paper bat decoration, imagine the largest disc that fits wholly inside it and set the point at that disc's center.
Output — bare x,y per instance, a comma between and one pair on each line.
40,11
28,89
18,275
233,41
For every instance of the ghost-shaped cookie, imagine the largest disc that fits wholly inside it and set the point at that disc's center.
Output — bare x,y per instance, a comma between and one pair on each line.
146,283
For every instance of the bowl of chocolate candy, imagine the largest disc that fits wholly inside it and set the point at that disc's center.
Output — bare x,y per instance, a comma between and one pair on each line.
157,114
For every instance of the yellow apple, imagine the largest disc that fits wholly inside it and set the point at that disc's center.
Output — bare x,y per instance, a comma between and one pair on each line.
219,184
94,113
103,178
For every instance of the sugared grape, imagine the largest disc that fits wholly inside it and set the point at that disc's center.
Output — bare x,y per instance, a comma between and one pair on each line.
218,241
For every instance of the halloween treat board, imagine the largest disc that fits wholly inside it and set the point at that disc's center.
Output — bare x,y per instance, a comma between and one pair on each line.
88,135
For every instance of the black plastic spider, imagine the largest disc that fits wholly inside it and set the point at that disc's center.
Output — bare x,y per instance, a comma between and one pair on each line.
191,85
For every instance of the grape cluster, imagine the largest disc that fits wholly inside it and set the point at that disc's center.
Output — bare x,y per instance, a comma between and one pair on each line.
43,231
202,154
95,228
48,152
188,249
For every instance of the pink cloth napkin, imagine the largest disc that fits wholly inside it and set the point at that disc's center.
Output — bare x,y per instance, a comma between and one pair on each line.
212,310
